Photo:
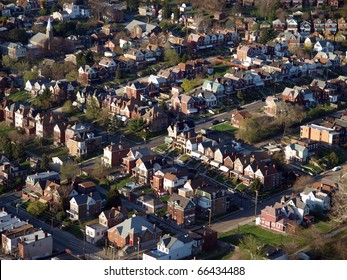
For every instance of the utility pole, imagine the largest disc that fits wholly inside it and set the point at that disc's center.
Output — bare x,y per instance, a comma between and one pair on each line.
209,217
138,248
256,202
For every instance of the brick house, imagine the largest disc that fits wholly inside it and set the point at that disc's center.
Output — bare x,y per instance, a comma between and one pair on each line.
273,217
211,201
129,162
320,133
239,116
156,119
134,90
35,245
181,210
269,176
134,231
84,206
114,154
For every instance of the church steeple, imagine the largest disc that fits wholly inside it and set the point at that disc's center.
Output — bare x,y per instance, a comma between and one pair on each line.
49,33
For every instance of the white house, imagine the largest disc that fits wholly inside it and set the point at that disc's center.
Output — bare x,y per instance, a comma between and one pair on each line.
95,232
171,248
296,152
210,98
172,181
316,200
298,207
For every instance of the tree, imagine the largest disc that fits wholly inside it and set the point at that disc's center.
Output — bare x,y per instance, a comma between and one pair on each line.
250,248
18,35
289,114
266,8
255,185
333,158
30,75
92,108
113,199
44,99
36,208
18,151
118,73
266,35
68,107
171,57
136,124
99,171
43,12
104,118
176,13
85,58
338,211
166,11
302,182
69,169
132,5
189,85
7,61
44,165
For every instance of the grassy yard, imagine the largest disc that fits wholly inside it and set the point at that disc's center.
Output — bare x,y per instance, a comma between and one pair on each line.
262,235
226,128
51,150
162,148
241,187
122,183
184,158
313,167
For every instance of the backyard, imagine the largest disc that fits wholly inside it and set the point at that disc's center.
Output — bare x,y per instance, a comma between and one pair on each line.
225,128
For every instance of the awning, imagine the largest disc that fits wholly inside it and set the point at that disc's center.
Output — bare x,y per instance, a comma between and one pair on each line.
195,154
149,59
168,140
224,168
215,163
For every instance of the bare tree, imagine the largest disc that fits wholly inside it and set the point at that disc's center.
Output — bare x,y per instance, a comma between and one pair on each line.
302,182
338,211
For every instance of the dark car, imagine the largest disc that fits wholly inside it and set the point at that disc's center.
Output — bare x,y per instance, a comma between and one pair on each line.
215,122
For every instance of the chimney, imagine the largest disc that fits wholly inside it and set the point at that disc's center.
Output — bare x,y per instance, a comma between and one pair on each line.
91,194
3,209
45,234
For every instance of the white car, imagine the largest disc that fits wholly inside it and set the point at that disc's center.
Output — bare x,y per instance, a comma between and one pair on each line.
336,168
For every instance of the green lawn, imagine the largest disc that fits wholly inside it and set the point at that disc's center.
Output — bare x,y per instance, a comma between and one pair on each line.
313,167
184,158
51,150
241,187
162,148
123,182
5,128
165,198
262,235
226,128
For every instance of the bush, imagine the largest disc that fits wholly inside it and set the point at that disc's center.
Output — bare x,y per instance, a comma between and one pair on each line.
36,208
61,216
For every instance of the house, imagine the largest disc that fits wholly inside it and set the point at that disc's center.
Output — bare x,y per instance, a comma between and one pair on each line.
295,152
296,206
292,25
275,218
11,172
323,46
109,64
88,74
139,27
35,245
45,123
181,209
305,27
330,25
269,176
316,200
114,154
31,180
135,90
177,128
135,231
107,219
145,169
15,51
211,201
150,203
278,25
129,161
174,180
11,237
210,98
342,25
237,117
186,104
271,106
171,248
84,206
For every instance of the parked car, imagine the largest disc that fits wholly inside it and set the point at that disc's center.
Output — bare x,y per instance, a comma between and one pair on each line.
336,168
215,122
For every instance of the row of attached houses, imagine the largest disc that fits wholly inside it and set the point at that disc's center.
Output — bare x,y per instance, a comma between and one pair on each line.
23,240
206,41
